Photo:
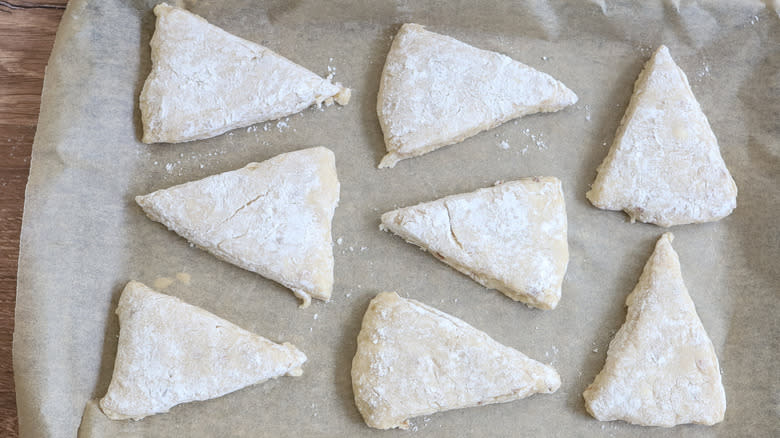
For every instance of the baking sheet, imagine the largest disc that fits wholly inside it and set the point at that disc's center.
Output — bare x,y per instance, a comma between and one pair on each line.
83,237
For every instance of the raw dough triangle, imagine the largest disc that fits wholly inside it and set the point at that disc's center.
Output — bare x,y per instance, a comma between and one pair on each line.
436,91
205,81
171,352
272,218
415,360
510,237
665,166
661,367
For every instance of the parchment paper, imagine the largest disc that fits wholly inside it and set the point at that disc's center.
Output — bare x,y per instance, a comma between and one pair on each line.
83,236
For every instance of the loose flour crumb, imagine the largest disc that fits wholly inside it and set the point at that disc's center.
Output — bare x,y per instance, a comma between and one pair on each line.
703,72
537,139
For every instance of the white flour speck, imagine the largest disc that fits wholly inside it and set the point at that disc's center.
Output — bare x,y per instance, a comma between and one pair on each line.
537,139
504,145
169,167
339,241
703,72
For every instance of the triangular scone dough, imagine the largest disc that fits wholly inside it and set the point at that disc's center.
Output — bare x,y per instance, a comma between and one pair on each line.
661,367
205,81
171,352
510,237
665,166
436,91
272,218
415,360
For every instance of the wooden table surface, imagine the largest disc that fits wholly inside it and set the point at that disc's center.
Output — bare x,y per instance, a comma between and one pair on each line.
27,30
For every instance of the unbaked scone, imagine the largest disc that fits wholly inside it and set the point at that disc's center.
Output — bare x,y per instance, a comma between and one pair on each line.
205,81
414,360
272,218
436,91
170,352
510,237
661,367
665,166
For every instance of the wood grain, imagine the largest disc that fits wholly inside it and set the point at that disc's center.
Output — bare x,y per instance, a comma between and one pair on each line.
27,30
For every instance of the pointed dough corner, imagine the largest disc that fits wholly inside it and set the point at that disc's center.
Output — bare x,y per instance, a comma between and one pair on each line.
273,218
389,160
510,237
205,81
170,352
415,360
665,166
661,367
436,91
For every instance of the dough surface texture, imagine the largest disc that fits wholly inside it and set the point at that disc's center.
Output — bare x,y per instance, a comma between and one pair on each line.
171,352
661,367
273,218
665,166
205,81
414,360
436,91
510,237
